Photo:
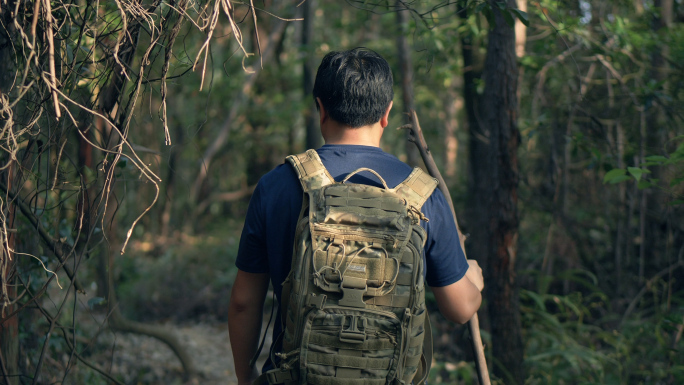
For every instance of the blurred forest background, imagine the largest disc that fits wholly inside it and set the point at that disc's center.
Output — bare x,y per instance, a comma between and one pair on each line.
133,132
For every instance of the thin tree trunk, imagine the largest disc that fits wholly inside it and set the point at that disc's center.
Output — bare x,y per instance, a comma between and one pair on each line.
406,77
313,132
476,223
170,186
500,73
9,328
454,104
520,32
654,137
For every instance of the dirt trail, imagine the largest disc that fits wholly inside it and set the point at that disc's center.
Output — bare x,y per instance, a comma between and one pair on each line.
145,360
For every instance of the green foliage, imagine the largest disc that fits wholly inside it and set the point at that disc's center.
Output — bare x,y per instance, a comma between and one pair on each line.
567,343
674,161
191,279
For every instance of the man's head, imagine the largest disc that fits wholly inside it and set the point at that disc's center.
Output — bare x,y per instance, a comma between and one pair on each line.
355,86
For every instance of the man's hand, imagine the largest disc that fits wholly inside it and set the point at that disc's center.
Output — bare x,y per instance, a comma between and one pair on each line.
474,274
252,377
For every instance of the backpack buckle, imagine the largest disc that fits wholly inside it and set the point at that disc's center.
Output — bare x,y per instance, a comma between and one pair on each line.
352,292
353,335
317,301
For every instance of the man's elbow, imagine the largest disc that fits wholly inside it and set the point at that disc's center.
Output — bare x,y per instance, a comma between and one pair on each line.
468,310
242,304
459,301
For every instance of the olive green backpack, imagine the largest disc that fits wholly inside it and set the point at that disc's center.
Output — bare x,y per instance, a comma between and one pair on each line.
353,305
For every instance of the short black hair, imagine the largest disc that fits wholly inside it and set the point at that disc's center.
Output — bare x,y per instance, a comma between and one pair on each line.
354,86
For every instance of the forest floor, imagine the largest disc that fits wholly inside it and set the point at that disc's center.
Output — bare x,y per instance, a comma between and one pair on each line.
140,359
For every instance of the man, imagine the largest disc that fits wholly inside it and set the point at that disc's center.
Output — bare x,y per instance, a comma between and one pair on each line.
353,93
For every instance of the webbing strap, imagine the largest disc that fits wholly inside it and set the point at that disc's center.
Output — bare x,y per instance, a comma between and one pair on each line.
315,379
310,170
417,187
347,361
334,341
390,300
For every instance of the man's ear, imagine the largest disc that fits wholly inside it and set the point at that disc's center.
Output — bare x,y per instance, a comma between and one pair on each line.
321,111
384,121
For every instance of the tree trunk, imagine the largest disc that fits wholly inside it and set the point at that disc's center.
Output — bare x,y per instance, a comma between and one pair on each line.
520,32
170,186
9,328
454,104
475,224
406,77
500,74
654,136
313,132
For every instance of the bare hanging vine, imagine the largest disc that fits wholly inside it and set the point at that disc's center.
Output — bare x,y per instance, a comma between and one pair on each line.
71,76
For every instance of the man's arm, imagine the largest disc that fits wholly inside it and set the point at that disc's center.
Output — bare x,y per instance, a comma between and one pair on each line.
245,313
460,300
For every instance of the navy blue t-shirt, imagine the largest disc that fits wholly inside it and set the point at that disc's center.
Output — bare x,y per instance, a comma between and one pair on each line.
269,230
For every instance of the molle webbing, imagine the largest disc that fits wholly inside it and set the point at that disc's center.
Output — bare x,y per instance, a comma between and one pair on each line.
310,170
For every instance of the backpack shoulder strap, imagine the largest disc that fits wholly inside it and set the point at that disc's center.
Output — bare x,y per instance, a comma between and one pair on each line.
417,187
310,170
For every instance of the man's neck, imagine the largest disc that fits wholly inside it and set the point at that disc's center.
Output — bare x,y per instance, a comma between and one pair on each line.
336,133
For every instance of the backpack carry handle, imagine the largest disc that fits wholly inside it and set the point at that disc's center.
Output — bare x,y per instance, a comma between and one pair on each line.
365,169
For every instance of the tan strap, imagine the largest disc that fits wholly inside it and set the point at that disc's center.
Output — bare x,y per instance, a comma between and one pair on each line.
391,300
417,187
334,341
316,379
345,361
310,170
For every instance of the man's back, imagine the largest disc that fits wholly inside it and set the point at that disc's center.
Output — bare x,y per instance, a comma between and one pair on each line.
353,92
268,235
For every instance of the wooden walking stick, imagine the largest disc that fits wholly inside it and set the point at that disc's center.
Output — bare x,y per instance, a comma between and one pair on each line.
416,136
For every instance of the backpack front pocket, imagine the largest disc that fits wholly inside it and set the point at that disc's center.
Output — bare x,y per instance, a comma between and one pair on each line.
344,344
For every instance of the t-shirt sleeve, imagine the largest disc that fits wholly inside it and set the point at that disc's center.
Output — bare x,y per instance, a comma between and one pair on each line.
445,261
252,254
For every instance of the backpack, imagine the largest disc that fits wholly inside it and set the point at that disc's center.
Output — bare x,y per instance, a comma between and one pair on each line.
353,305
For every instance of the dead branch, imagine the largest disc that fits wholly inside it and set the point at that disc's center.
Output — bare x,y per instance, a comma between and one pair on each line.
416,136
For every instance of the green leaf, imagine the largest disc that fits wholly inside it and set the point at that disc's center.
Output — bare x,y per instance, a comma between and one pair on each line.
677,202
522,16
489,15
637,172
676,181
644,184
656,158
480,7
613,174
508,17
96,301
501,4
620,179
